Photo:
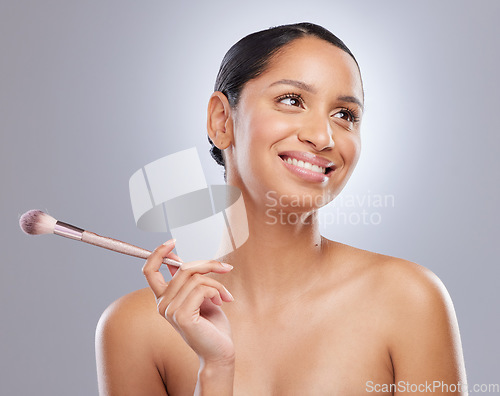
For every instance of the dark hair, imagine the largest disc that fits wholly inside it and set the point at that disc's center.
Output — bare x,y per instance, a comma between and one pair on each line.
250,56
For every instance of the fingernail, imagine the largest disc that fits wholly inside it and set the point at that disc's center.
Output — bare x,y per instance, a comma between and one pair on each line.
170,242
228,266
229,294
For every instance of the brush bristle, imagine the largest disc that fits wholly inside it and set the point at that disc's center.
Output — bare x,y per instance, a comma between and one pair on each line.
36,222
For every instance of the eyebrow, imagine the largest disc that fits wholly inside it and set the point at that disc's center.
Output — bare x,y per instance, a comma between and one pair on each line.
311,89
295,83
351,99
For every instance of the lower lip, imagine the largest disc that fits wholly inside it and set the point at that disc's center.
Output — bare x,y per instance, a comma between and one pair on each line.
305,174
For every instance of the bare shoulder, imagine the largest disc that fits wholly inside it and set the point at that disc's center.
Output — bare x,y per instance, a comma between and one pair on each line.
403,281
416,302
132,321
414,311
141,300
404,295
131,338
411,286
130,314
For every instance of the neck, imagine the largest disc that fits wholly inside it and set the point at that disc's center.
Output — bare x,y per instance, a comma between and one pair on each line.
282,252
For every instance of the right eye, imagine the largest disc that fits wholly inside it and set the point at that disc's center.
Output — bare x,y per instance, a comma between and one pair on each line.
291,100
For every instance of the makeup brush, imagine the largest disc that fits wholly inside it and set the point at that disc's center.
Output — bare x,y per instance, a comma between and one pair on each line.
36,222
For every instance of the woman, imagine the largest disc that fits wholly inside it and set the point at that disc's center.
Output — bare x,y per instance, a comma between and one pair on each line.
309,316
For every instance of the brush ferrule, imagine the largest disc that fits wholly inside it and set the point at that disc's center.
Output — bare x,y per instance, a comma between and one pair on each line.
68,231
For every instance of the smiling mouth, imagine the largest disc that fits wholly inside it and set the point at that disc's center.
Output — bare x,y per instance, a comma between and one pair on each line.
307,165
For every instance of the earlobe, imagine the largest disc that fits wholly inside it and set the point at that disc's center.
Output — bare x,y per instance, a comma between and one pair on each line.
219,121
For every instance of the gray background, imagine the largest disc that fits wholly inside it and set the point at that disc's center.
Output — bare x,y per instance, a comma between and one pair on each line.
90,91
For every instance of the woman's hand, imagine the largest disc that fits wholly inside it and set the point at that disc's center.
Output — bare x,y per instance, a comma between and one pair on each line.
191,302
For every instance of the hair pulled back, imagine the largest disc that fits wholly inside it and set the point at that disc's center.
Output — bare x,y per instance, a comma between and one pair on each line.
250,56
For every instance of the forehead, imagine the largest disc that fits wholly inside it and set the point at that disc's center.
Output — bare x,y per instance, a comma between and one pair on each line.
316,62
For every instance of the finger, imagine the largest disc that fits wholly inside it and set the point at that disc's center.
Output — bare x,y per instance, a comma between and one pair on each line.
151,268
198,279
192,283
189,269
206,266
175,257
184,314
173,269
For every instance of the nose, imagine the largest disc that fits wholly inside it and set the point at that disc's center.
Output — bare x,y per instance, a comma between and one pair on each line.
317,132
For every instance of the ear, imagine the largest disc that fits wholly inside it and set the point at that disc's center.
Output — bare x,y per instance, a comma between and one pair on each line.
219,120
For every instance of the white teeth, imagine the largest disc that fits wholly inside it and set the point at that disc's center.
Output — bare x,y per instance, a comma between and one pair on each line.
305,165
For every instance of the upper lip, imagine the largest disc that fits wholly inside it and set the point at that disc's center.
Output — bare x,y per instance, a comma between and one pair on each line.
308,157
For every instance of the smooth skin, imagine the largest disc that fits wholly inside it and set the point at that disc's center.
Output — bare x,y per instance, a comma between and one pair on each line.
309,316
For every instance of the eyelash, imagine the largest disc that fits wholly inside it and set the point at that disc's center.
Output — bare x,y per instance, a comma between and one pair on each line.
353,114
291,96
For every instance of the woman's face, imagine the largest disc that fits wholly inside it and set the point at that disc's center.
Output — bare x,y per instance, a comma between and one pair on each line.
306,106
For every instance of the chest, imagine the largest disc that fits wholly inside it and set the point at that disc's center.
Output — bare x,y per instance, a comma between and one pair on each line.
336,345
300,357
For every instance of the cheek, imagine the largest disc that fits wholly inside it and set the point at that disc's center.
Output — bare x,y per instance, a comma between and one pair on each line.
349,147
249,141
259,132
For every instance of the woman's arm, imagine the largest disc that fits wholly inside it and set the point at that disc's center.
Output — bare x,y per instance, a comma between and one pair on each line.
134,342
425,344
191,303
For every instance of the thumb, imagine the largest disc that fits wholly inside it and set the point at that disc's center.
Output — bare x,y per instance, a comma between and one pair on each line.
171,268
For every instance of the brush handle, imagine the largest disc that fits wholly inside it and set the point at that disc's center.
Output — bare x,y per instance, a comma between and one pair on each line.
121,247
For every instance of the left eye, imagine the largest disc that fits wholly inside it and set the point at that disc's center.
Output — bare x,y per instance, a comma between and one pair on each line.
290,101
344,114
